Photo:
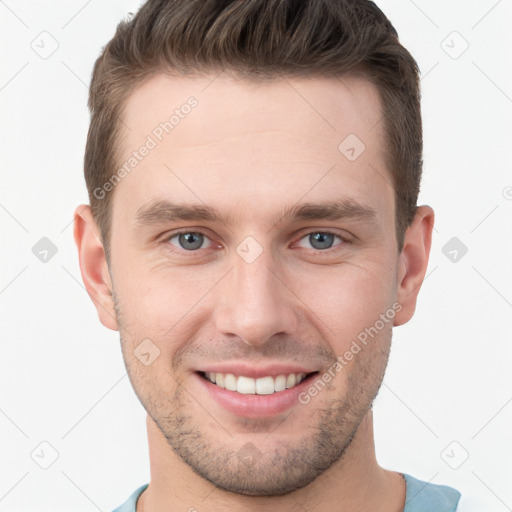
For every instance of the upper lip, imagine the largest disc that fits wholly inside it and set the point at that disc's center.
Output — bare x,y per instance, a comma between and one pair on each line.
248,370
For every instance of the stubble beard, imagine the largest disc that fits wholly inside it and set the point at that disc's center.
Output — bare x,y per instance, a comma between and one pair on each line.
251,470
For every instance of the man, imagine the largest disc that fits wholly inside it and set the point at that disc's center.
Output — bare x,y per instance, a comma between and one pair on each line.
253,170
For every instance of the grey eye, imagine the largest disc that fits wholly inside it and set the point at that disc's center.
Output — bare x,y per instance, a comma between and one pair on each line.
320,240
189,241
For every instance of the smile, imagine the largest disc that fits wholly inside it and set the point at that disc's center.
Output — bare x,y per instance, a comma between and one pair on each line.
261,386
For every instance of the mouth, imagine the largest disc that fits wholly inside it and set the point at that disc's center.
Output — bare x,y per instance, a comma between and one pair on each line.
265,385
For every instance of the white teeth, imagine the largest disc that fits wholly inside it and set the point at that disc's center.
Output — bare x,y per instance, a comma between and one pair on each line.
264,386
291,380
249,386
280,383
230,382
246,385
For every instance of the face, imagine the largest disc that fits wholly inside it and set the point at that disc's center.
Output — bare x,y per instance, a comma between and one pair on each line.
253,244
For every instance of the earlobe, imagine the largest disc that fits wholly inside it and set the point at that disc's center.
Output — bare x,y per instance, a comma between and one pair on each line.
413,262
93,266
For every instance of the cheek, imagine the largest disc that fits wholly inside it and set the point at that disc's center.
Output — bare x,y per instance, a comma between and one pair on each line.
165,305
346,300
152,383
147,290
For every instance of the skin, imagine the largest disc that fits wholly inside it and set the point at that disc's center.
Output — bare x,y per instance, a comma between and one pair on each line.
251,150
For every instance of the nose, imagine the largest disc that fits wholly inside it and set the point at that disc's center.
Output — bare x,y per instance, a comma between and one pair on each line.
255,302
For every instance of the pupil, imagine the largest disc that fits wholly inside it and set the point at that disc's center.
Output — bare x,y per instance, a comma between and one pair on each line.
325,240
188,238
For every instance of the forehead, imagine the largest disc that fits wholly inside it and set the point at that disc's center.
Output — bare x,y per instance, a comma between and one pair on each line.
324,105
226,140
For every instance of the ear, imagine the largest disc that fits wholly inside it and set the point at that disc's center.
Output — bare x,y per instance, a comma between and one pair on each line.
93,265
413,262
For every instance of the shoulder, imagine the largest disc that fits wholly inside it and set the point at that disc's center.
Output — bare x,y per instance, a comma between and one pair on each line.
130,504
426,497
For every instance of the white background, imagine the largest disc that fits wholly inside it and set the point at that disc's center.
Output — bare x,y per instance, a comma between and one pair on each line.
62,378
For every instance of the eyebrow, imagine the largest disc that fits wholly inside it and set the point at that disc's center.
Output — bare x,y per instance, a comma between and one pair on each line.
165,211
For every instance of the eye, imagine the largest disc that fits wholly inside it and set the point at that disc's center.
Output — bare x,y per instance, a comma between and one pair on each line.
189,240
320,240
192,241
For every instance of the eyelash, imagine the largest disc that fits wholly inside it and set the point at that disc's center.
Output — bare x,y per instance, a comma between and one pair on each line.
329,250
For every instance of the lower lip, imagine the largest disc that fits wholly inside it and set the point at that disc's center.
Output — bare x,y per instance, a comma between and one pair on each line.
252,405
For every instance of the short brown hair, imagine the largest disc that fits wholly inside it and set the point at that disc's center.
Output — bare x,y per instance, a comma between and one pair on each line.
258,39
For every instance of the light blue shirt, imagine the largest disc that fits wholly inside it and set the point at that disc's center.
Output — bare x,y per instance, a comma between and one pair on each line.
420,497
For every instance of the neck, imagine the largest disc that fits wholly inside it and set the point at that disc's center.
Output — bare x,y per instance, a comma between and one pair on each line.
355,483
